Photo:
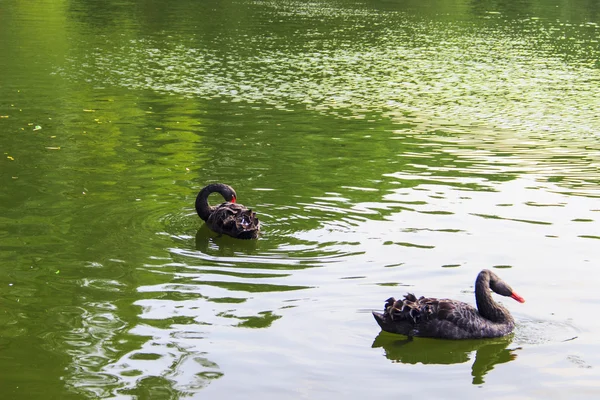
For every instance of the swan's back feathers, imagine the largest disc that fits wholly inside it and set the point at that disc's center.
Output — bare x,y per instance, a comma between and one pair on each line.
234,220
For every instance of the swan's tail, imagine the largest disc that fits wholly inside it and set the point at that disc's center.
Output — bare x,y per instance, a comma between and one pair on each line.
247,225
399,316
379,317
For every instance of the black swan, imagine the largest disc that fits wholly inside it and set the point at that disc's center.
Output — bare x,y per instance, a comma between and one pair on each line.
451,319
229,218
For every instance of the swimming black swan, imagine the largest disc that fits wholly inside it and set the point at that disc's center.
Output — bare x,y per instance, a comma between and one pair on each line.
451,319
229,218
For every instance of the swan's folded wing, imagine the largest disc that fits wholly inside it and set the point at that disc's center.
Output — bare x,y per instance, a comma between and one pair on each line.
234,220
450,319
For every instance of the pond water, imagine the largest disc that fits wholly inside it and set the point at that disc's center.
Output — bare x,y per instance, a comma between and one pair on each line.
387,146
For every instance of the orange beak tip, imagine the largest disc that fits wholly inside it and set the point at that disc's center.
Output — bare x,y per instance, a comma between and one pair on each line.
517,298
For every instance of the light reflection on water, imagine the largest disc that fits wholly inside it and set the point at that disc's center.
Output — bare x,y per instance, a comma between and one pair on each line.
456,75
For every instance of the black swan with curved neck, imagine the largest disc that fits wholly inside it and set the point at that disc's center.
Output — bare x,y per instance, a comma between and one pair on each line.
451,319
229,218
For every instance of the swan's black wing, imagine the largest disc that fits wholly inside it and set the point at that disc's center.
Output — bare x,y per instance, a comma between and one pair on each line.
234,220
448,319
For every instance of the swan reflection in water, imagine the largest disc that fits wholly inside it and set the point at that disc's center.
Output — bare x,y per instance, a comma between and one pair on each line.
213,244
488,352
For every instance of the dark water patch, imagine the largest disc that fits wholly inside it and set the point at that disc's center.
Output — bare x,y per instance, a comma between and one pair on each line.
228,300
533,204
168,322
394,265
145,356
513,219
589,236
406,244
254,287
437,212
264,319
391,284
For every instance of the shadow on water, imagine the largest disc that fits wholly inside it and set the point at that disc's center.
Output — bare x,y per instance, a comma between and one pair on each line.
488,352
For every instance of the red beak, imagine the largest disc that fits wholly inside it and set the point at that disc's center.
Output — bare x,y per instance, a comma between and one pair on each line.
233,200
517,297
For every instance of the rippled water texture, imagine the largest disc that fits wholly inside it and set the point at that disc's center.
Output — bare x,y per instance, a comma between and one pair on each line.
386,146
527,74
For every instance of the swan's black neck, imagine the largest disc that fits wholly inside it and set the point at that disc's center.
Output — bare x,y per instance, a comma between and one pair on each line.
486,305
202,207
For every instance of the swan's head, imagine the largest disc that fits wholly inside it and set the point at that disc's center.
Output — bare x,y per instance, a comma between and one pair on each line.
228,193
502,288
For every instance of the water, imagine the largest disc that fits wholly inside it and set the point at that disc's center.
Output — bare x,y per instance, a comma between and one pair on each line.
388,147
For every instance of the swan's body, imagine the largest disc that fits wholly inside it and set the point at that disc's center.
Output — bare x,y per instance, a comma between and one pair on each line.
228,218
451,319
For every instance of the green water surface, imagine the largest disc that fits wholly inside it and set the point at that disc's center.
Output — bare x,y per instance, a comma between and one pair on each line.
387,146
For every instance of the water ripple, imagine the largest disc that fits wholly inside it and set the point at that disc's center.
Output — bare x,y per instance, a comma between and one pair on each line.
405,67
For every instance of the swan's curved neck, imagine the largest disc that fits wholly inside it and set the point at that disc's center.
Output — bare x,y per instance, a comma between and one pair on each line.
486,305
202,207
